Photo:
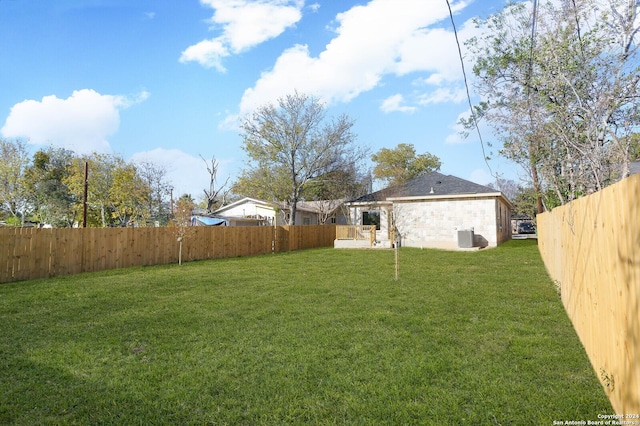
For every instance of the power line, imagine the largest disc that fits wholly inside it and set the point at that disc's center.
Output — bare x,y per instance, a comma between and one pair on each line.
466,85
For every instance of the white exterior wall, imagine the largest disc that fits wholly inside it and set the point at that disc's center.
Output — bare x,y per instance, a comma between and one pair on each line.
251,209
436,223
385,223
503,221
383,233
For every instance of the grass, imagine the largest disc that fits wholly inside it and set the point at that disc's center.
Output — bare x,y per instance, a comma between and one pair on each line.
319,336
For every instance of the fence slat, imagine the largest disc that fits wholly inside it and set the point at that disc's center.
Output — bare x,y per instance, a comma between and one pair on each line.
27,253
5,239
591,248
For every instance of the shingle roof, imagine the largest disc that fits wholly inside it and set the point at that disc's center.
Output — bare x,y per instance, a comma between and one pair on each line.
423,185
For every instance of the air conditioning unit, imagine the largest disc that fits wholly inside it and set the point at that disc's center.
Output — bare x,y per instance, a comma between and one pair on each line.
465,238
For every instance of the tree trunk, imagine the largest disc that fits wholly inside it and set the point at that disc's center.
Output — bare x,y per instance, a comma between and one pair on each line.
102,216
536,187
294,210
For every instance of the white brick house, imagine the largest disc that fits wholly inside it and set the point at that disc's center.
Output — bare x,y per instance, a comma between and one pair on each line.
429,210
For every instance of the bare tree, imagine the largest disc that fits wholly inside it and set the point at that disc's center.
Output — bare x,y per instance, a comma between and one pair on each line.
327,209
564,101
215,195
508,187
155,178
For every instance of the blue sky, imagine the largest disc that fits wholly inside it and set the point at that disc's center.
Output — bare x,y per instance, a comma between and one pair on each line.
167,80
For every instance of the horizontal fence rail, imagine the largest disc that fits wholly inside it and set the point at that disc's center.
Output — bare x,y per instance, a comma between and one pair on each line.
591,248
28,253
354,232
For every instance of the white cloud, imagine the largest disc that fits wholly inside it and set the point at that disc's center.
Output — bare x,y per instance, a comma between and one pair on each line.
431,50
393,103
208,53
458,133
443,95
245,24
456,137
481,176
371,41
231,122
82,122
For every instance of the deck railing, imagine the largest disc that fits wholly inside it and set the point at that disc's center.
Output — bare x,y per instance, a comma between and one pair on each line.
356,232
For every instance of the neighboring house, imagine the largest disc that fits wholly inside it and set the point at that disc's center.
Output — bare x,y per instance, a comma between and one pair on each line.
248,208
328,211
307,213
634,167
430,210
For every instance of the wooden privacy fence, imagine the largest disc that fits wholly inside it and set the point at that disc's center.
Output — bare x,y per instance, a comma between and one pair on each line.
591,248
27,253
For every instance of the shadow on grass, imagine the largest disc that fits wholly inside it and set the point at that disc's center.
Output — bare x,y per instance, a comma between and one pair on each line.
39,394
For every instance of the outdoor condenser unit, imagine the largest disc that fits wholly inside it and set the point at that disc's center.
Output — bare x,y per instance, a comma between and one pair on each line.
465,238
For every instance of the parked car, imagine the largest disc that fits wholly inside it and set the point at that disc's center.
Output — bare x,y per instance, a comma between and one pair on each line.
526,228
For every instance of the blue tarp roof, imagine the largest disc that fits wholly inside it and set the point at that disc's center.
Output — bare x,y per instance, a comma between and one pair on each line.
210,221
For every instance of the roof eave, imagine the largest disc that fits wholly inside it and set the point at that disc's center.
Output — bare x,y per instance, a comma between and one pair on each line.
444,196
244,201
453,196
367,203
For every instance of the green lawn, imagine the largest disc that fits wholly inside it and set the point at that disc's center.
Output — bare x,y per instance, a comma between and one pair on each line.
319,337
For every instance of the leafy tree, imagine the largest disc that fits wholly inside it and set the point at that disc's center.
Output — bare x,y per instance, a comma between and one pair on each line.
14,160
293,144
564,101
129,196
46,183
100,181
331,192
401,164
525,202
263,183
348,183
634,147
116,195
75,182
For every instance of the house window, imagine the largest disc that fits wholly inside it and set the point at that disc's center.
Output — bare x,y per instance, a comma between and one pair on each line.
306,221
371,217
